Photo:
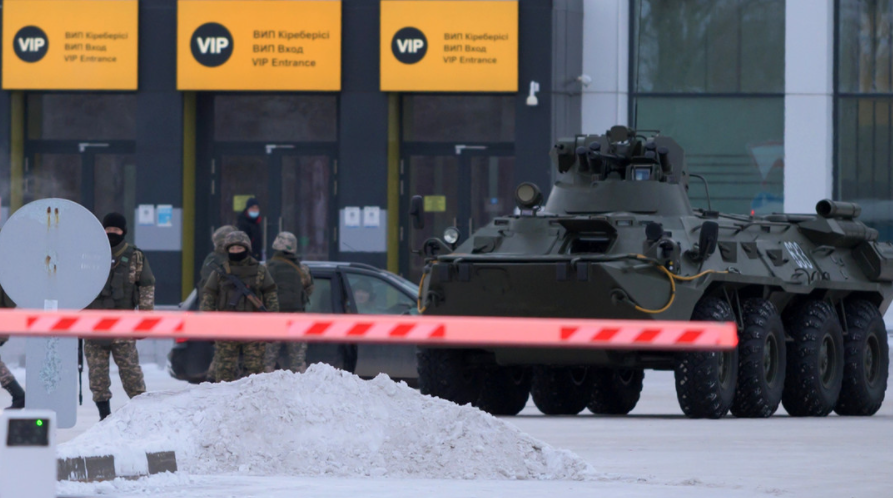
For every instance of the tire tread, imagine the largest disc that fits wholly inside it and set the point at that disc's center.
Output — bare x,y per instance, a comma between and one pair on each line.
855,398
803,388
753,398
697,386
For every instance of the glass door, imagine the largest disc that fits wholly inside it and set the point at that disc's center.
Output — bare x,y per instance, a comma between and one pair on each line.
53,175
465,190
293,186
492,189
437,180
307,187
243,176
101,177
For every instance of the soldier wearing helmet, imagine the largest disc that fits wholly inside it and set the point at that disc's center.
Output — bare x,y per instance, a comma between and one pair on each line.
295,285
216,257
130,285
241,285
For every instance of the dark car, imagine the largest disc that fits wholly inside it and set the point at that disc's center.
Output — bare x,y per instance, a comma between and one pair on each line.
338,288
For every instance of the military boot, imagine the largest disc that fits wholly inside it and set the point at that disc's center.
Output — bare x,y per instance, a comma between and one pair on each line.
105,409
18,395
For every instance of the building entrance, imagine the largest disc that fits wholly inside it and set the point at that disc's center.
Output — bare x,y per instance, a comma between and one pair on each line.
465,190
294,185
279,149
458,154
81,147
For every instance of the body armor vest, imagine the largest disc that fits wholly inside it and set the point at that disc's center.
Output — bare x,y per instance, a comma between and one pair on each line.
290,284
212,261
250,275
119,292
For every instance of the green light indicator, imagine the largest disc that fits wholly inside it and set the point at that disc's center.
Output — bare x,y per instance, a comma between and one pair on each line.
39,423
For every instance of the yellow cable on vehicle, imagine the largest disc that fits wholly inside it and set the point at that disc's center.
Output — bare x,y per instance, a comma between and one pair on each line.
673,278
418,303
672,288
699,275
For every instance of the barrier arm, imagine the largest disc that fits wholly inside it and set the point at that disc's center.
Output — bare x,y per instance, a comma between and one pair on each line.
377,329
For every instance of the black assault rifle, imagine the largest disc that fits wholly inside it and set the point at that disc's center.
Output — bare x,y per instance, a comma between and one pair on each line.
242,288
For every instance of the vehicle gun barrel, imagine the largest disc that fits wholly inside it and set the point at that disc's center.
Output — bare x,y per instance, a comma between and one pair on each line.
835,209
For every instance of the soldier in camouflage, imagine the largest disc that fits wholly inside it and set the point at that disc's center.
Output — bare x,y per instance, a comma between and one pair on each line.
295,285
7,381
130,285
214,259
222,294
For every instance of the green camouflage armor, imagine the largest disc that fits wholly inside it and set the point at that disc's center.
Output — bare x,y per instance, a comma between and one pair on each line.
214,259
295,285
6,377
219,292
130,285
294,282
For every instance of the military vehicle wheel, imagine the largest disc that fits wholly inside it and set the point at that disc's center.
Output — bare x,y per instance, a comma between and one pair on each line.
445,374
561,390
761,361
505,390
815,360
866,360
615,392
705,381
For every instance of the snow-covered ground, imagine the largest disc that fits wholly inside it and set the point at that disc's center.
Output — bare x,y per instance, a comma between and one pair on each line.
323,423
653,452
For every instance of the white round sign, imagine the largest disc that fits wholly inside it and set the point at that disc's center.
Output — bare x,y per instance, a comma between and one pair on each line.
54,254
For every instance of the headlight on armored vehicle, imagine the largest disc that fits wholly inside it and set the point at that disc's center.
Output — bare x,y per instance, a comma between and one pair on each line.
451,235
528,195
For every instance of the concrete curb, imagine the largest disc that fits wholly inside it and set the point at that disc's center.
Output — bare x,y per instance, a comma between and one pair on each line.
102,468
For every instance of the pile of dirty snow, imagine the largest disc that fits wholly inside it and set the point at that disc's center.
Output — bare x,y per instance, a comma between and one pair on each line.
324,422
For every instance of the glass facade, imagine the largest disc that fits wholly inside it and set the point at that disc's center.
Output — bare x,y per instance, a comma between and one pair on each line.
711,75
78,116
275,118
458,118
864,110
458,154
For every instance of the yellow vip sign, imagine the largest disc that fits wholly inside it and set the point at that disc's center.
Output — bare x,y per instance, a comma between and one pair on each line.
449,46
70,44
259,45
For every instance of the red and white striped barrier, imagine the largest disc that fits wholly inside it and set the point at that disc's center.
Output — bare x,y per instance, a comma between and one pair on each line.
389,329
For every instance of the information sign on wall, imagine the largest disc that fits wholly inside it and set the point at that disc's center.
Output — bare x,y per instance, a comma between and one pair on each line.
259,45
449,46
70,45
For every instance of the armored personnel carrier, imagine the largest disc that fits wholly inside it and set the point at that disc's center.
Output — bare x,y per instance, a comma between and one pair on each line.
618,239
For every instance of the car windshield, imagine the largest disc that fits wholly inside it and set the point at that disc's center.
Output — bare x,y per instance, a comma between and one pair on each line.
410,287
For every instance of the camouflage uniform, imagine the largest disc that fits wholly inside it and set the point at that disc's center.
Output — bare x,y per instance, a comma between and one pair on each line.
295,285
130,285
6,377
217,295
214,259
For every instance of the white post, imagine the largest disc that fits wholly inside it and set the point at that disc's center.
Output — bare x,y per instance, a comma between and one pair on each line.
808,104
606,61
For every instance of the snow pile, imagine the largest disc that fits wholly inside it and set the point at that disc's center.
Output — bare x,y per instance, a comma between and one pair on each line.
325,422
